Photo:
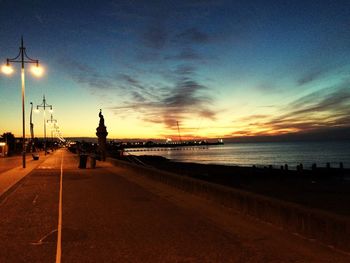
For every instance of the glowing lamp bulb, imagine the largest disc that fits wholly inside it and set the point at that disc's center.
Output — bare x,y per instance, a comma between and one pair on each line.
7,69
37,70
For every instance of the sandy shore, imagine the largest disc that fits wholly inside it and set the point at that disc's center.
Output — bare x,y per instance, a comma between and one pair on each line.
325,189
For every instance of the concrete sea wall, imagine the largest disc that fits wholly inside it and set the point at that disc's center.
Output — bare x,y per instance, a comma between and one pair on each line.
328,228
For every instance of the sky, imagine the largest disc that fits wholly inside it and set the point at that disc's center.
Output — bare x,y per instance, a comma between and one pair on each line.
217,68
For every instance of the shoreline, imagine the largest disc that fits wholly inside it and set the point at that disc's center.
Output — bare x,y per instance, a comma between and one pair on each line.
308,154
327,189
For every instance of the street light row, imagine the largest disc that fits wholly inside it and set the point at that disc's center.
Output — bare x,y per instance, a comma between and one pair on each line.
36,70
54,129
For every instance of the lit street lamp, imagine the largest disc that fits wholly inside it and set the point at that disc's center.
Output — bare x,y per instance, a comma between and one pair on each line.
52,122
22,58
44,105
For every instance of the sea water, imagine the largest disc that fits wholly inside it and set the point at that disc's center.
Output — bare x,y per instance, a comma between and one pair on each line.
262,154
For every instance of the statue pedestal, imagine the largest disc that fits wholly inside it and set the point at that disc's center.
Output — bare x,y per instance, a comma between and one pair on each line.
101,132
102,141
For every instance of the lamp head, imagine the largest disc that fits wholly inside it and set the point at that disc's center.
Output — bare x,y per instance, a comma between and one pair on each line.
37,70
7,69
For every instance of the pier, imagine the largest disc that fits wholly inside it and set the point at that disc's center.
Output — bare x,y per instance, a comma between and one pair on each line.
158,149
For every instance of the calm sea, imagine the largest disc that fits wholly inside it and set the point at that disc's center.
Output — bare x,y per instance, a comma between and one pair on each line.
260,154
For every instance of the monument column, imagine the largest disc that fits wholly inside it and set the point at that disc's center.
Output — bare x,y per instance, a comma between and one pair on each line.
101,132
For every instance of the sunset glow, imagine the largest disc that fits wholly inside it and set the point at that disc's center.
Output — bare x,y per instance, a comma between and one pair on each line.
219,69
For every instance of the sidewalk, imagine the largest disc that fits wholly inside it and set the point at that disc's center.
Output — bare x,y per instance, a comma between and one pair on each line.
11,177
116,214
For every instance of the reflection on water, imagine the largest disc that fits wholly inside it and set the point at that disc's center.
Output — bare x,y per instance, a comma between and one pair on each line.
291,153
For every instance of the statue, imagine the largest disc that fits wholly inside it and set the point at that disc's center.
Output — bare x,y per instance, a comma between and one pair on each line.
101,132
102,119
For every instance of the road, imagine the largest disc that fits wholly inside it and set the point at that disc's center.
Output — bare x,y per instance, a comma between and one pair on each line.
110,214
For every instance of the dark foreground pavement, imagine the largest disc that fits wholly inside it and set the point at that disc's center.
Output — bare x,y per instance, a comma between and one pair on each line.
109,214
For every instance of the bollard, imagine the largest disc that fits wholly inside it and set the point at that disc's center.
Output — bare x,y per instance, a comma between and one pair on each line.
35,156
82,161
92,161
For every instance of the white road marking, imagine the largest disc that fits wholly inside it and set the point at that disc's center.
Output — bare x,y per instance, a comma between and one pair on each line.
59,229
45,167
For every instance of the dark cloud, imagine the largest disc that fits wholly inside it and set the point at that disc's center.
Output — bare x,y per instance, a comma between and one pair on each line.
329,99
184,94
325,108
192,36
138,90
138,97
208,114
130,81
148,56
319,110
186,54
84,74
332,102
311,76
182,100
184,70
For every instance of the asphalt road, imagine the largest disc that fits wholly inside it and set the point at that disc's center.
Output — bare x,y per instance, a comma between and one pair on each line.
108,215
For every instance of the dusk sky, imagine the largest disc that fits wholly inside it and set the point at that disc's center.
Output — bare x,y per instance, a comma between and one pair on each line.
219,68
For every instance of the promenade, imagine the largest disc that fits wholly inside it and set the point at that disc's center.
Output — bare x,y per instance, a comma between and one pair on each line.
55,212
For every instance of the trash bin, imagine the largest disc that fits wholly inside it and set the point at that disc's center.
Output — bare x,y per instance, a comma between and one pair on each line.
35,156
93,161
82,161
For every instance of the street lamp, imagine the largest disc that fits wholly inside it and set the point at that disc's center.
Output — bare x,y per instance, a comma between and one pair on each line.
52,122
59,134
32,147
22,58
44,105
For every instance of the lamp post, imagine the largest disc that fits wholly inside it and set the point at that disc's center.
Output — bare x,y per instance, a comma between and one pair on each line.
59,135
32,147
52,122
22,58
44,105
57,131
